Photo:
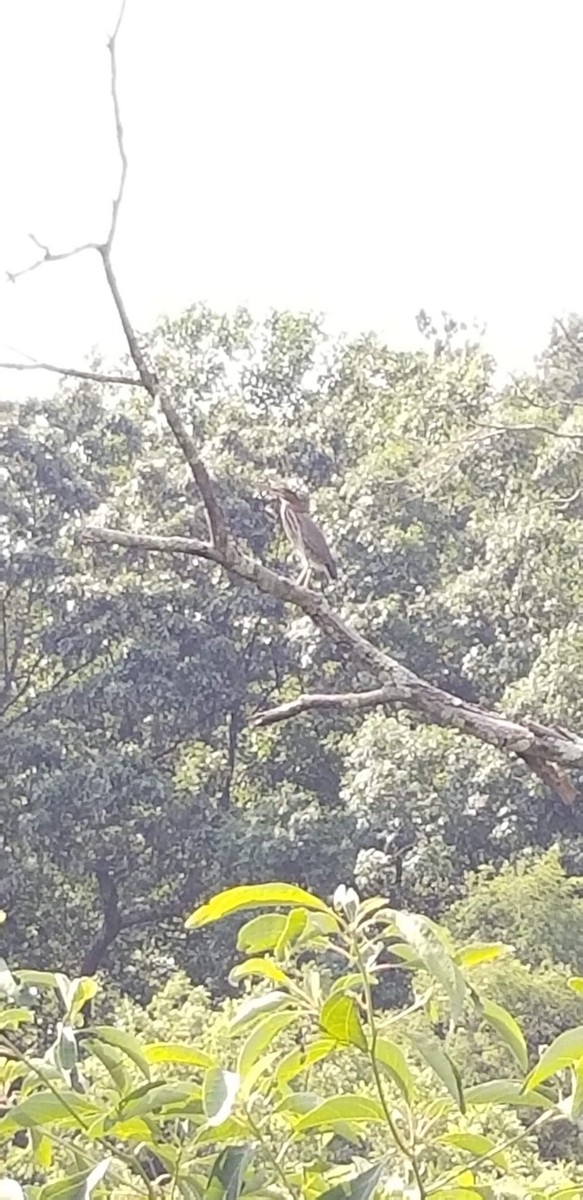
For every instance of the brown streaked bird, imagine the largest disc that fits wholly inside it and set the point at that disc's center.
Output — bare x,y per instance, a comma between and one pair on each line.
305,536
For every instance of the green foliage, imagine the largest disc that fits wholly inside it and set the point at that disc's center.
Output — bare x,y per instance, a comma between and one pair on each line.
265,1091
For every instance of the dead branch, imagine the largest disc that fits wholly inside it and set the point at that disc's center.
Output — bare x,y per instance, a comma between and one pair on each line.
535,744
72,372
323,702
48,256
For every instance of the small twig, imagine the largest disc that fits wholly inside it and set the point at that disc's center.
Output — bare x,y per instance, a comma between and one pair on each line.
48,257
509,428
112,46
72,372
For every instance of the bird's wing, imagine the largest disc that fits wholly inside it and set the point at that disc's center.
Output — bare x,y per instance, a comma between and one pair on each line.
316,546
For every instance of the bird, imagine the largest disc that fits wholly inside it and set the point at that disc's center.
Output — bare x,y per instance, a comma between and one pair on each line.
304,534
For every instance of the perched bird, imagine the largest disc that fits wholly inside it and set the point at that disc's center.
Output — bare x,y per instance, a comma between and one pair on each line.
305,536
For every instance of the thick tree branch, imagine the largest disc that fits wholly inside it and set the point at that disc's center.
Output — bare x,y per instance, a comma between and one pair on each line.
539,746
324,702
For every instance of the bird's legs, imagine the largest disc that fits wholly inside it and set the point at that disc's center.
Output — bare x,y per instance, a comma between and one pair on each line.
304,577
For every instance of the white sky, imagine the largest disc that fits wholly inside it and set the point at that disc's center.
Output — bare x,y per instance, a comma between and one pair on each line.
365,158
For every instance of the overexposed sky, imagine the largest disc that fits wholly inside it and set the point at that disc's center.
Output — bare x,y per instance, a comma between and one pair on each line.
364,158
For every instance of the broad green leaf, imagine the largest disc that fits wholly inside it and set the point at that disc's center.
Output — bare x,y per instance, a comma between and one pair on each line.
122,1041
260,895
480,952
256,1006
44,1107
113,1060
442,1066
261,1037
38,979
153,1096
11,1018
219,1091
423,938
76,1187
576,983
508,1030
226,1178
295,925
341,1108
477,1144
303,1057
340,1019
261,933
42,1150
393,1060
81,991
176,1052
259,966
362,1187
352,982
505,1091
566,1049
261,1067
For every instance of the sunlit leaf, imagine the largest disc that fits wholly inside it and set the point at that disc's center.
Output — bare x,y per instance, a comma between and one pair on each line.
480,952
507,1029
125,1042
43,1107
476,1144
576,983
505,1091
566,1049
340,1019
261,1037
296,922
176,1052
11,1018
395,1064
304,1056
341,1108
260,895
264,967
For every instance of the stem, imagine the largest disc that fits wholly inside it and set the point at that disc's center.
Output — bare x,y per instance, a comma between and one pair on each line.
406,1151
129,1159
544,1119
276,1164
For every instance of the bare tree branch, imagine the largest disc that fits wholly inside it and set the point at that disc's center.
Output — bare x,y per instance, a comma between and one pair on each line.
537,745
323,702
48,257
511,428
111,45
72,372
